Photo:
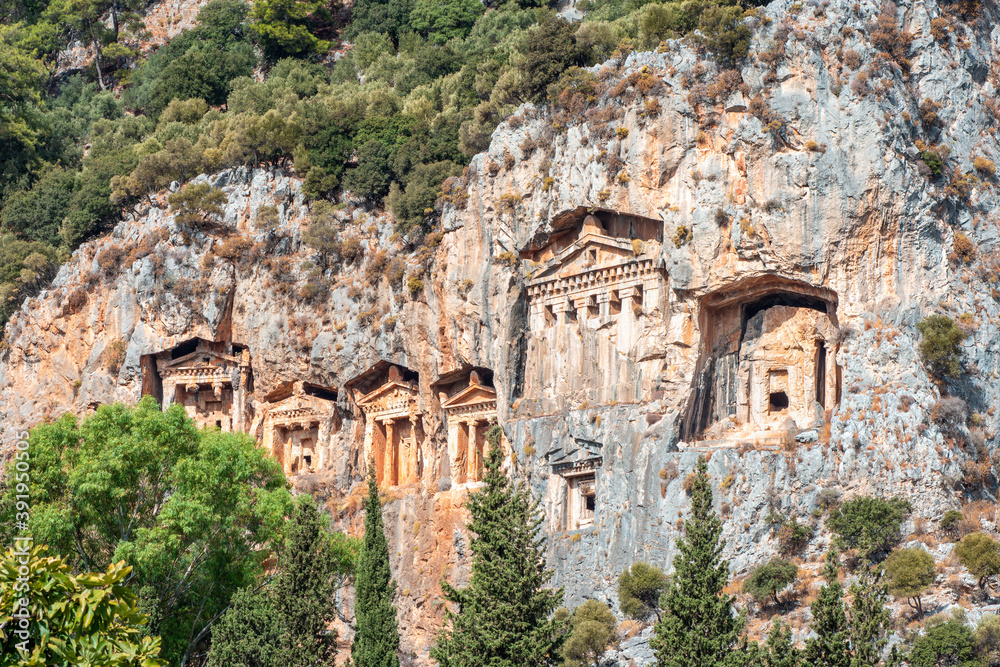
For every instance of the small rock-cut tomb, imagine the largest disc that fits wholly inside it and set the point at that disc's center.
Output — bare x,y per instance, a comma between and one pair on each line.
387,396
769,359
295,417
470,405
210,379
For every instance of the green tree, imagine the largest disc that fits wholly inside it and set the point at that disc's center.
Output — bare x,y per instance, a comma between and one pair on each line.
89,619
440,22
371,178
639,590
988,640
312,567
830,648
868,620
592,628
980,554
197,204
390,17
504,616
941,346
413,206
909,572
546,51
766,580
248,634
376,638
20,91
870,525
724,33
778,650
194,512
287,27
945,643
698,626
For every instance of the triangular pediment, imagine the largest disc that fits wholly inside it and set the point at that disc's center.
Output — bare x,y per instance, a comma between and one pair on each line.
590,251
198,358
472,395
301,402
389,392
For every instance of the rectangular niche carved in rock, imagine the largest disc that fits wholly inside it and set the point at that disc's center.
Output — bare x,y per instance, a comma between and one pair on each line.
296,418
394,433
579,493
211,380
470,405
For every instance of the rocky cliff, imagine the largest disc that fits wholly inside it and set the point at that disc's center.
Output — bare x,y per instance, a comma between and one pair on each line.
690,262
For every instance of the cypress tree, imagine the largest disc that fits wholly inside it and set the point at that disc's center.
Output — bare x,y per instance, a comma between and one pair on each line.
698,627
830,648
504,616
376,638
779,651
312,568
868,620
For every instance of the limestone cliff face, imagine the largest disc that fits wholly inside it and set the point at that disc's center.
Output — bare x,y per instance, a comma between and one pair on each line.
735,272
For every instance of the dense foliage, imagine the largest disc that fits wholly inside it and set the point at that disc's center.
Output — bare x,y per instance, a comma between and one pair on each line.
639,590
194,513
591,629
420,91
870,525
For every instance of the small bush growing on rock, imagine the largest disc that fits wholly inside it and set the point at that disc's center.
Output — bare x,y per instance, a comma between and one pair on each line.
765,581
794,536
688,483
415,286
267,217
949,412
985,167
828,498
945,642
197,204
941,346
852,58
870,525
682,236
909,573
592,628
988,639
114,356
980,554
964,249
928,113
639,590
933,161
951,521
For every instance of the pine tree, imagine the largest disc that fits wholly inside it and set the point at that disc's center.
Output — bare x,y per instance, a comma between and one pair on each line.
698,628
778,650
830,648
376,639
504,616
868,619
312,568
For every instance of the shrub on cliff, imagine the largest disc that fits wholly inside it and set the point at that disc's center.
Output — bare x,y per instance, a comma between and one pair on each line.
639,590
945,642
504,616
909,572
941,346
766,580
980,554
592,628
870,525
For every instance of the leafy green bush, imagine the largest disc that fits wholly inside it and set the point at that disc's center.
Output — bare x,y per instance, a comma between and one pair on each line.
980,554
950,522
288,27
909,573
592,628
639,590
766,580
197,204
941,346
946,642
870,525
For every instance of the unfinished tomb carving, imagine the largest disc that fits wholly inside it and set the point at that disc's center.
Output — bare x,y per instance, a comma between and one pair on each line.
769,359
212,380
394,432
294,419
470,406
596,292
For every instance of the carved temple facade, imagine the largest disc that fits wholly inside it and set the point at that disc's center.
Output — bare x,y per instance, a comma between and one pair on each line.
470,411
212,380
294,420
597,292
394,436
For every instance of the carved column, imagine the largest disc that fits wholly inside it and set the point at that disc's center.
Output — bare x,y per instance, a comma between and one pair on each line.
454,455
475,460
367,451
391,453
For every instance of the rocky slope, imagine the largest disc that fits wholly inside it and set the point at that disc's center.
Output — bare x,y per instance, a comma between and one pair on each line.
798,184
